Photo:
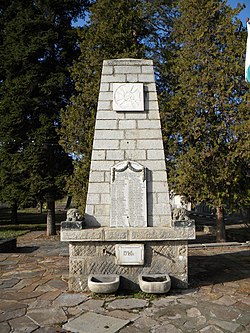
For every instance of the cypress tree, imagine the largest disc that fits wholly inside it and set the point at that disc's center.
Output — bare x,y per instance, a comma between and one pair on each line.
208,139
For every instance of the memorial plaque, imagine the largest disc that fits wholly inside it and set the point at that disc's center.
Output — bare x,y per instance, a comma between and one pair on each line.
128,195
128,97
129,254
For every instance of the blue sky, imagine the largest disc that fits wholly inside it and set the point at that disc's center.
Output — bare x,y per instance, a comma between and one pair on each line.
243,15
245,12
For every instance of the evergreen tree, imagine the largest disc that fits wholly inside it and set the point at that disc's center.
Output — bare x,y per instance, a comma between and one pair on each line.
208,122
38,45
116,29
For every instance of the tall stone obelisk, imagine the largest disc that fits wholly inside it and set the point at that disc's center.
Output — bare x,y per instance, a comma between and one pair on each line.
128,129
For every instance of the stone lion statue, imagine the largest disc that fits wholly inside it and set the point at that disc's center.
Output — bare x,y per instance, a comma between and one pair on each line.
73,215
180,214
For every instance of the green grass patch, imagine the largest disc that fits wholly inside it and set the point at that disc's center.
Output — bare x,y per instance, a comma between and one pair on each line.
28,220
120,294
147,296
9,231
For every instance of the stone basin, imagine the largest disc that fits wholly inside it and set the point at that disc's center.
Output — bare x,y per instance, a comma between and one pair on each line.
155,283
103,283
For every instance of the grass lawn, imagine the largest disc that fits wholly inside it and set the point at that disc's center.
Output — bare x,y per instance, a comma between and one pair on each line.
28,219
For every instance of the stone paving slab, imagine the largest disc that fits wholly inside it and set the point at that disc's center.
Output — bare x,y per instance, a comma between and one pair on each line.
23,324
91,322
127,304
34,296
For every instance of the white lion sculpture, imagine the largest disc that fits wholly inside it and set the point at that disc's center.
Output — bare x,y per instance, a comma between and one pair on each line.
73,215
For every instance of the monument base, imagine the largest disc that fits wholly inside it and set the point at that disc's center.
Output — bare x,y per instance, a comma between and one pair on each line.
99,258
165,251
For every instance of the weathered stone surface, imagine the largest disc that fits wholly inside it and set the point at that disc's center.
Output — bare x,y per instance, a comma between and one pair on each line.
72,225
50,330
83,235
144,323
45,288
122,314
113,234
46,316
69,299
194,323
128,96
26,273
5,316
225,300
58,284
92,305
127,304
9,283
164,301
193,312
226,325
20,296
220,312
50,296
127,62
128,195
122,88
215,273
129,254
103,283
129,234
167,328
171,312
23,324
39,303
245,299
188,301
5,328
155,283
95,323
7,305
211,329
133,329
162,257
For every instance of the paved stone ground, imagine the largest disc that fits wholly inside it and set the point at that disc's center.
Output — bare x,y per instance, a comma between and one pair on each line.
34,296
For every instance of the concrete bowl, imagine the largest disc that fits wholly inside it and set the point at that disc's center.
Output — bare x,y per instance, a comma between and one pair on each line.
155,283
103,283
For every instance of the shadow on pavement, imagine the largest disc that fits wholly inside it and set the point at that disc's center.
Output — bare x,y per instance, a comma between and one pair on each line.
26,249
206,268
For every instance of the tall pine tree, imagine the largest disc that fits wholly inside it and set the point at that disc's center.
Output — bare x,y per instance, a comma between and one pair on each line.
38,44
208,120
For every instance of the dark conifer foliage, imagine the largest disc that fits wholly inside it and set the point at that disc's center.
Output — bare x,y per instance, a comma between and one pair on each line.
208,124
116,29
38,44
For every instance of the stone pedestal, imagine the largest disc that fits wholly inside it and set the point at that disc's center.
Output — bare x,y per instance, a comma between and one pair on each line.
128,224
93,251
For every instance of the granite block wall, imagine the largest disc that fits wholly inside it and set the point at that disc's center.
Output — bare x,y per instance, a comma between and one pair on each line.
127,135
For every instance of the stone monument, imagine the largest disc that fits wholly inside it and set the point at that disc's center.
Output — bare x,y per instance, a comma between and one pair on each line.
128,227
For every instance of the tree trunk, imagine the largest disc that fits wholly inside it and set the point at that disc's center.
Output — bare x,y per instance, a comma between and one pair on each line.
68,203
14,219
51,216
220,225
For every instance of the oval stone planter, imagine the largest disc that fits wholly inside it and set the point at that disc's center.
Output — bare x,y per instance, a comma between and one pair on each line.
103,283
155,283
